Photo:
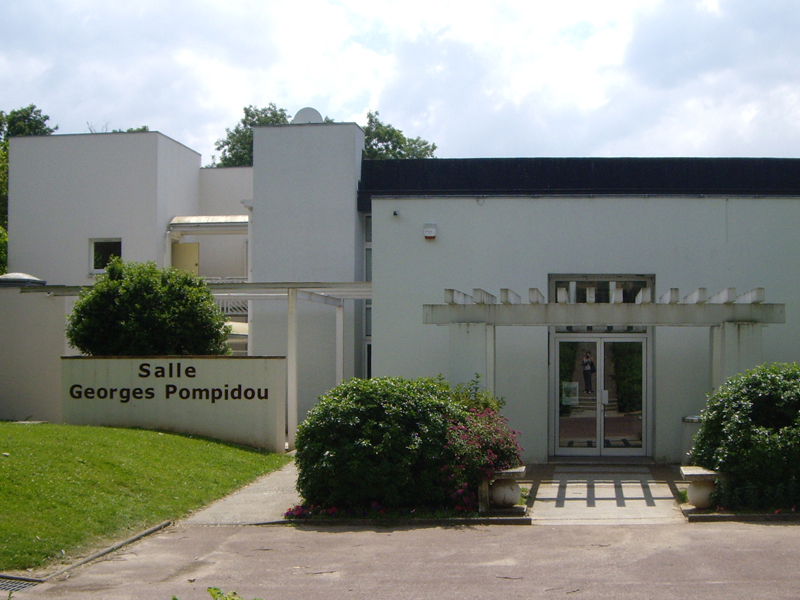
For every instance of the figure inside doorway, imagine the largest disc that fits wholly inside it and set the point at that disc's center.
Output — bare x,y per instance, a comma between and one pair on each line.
588,369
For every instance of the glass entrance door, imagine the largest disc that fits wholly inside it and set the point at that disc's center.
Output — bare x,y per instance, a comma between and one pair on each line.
600,393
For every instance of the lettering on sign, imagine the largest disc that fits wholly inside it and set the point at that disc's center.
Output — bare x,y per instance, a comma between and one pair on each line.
170,391
161,372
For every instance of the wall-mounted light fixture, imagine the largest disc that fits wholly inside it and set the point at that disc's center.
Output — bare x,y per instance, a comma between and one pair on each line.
429,231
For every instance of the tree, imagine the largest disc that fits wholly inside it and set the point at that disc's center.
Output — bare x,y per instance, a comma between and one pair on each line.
22,121
381,140
237,146
93,129
140,129
137,309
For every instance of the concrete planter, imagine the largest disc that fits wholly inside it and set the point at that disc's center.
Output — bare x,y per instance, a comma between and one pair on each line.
702,484
504,493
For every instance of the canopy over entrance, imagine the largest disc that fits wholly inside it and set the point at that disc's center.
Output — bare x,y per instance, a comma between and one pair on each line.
735,321
208,225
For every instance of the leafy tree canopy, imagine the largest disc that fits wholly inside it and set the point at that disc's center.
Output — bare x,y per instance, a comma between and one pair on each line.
237,146
381,140
140,129
137,309
93,129
22,121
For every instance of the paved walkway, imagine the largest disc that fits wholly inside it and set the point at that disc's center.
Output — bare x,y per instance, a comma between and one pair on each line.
561,494
660,557
263,501
596,495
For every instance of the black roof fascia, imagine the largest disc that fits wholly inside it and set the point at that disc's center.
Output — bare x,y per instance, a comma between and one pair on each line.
578,176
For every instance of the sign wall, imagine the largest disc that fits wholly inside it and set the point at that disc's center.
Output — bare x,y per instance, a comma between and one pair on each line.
235,399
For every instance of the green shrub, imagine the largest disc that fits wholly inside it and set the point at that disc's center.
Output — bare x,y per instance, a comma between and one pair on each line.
218,594
140,310
378,441
750,433
394,443
472,396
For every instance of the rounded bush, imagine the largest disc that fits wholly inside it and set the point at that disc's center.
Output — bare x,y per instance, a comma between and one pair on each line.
750,433
137,309
377,441
395,443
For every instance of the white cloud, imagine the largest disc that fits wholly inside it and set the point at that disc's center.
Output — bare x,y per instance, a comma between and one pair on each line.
504,78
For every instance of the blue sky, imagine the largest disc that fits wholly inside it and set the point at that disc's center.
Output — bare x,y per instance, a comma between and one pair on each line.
501,78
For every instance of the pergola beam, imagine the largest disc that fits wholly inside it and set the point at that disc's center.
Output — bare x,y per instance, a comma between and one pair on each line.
671,296
535,296
508,296
726,296
644,296
670,315
319,298
455,297
699,296
480,296
756,296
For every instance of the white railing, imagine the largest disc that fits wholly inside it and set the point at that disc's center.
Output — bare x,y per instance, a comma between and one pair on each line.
231,307
225,279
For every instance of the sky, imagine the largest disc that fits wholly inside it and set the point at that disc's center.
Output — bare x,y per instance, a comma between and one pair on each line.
504,78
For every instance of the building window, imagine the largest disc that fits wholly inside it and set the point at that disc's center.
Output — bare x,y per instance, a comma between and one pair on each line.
101,252
600,289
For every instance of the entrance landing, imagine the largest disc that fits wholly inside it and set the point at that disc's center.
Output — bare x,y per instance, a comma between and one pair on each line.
582,494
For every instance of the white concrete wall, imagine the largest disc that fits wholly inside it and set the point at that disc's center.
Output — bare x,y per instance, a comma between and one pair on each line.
305,227
304,208
67,189
223,189
221,193
31,343
177,187
516,242
221,255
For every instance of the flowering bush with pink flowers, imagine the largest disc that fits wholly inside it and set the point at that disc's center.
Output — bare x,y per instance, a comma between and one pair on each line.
399,445
485,444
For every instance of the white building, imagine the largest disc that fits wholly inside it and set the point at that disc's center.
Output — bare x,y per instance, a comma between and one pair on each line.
513,269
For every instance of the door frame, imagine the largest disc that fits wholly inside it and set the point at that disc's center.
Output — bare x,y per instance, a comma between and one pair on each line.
648,420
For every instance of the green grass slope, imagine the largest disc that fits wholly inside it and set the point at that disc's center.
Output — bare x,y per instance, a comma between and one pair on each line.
65,490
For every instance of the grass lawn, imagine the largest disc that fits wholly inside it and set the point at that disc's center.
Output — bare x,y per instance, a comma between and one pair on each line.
66,490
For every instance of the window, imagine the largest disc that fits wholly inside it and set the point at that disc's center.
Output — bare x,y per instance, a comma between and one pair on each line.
600,289
101,252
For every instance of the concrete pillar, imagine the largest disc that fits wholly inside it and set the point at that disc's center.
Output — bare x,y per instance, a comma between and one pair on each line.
472,350
291,367
735,348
